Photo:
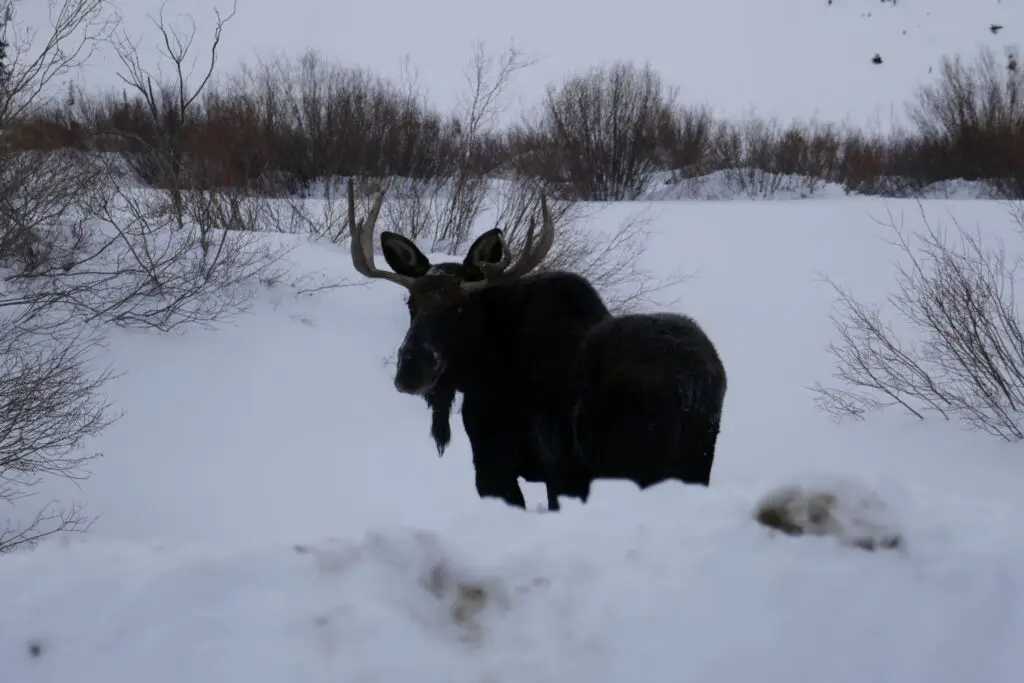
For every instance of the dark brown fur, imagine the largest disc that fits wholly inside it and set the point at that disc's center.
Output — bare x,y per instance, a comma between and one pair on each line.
649,394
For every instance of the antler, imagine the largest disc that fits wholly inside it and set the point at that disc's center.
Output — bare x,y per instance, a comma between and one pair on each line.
531,256
361,235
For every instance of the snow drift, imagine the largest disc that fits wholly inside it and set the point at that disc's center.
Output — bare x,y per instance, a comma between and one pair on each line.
687,586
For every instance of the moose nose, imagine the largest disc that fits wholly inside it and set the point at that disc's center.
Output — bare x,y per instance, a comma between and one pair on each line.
405,356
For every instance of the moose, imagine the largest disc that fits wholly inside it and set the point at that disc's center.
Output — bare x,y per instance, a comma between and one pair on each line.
555,388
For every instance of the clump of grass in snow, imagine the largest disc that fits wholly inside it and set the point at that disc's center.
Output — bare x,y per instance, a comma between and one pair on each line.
854,520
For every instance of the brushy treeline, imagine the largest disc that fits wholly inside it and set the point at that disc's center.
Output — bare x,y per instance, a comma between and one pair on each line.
605,134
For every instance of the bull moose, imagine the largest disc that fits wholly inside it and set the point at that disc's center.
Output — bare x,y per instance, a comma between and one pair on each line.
542,365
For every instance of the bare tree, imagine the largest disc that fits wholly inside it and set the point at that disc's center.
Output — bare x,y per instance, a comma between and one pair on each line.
34,59
170,104
960,351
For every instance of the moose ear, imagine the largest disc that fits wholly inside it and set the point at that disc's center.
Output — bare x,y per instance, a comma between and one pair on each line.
489,249
403,256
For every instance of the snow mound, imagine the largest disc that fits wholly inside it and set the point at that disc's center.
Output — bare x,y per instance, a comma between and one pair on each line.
673,583
843,509
413,573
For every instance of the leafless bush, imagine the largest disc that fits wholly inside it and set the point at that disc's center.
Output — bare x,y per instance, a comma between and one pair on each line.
960,354
972,121
610,260
49,393
886,164
439,211
39,189
762,158
606,131
164,257
51,405
444,208
112,252
317,121
689,141
158,260
320,217
41,195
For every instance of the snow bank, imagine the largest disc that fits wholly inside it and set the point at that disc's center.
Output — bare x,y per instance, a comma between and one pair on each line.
684,585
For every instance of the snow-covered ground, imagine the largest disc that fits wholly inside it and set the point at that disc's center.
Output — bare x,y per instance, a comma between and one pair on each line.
273,509
673,585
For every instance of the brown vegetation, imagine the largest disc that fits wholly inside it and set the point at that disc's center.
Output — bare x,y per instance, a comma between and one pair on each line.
283,126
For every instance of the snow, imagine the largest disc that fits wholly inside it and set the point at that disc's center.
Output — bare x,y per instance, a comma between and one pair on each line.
684,586
270,508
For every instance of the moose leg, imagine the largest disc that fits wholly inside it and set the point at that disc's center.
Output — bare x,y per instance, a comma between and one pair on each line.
495,454
621,436
491,484
553,505
568,475
704,455
545,449
695,452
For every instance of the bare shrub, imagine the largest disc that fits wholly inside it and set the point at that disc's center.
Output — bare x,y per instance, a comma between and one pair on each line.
49,393
763,158
606,130
41,197
444,208
960,353
322,121
279,126
972,118
689,148
38,188
886,164
283,126
161,260
51,406
611,260
163,257
689,141
322,217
